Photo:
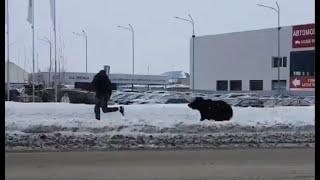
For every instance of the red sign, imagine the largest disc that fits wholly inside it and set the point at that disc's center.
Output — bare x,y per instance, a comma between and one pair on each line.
303,36
302,82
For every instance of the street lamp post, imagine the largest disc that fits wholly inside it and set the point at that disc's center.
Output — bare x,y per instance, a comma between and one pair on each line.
84,35
130,28
86,49
45,39
278,58
193,37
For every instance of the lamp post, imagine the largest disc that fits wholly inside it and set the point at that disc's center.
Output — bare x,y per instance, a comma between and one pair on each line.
130,28
278,58
45,39
84,35
193,37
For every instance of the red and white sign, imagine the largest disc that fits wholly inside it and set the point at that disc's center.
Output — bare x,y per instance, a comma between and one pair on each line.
303,36
302,82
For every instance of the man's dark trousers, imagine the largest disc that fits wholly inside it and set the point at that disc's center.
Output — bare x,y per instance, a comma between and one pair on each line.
102,103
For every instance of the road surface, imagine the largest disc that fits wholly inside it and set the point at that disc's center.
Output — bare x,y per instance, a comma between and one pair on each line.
235,164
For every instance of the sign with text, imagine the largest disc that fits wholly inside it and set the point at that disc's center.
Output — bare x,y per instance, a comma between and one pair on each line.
303,36
107,69
302,82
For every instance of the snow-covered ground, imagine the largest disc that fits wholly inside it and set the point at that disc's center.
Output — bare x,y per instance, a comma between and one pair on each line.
19,116
152,119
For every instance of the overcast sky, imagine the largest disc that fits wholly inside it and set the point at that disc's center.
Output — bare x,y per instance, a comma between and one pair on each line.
161,42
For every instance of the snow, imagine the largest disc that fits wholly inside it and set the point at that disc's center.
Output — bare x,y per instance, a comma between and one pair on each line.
19,116
63,126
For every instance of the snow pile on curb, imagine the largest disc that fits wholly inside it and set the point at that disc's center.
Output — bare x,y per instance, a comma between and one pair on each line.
62,126
23,116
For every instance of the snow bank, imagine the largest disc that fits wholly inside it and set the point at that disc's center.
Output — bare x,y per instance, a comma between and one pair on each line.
19,116
62,126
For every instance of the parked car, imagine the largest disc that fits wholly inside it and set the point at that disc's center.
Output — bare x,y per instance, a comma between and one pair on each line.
250,103
311,99
128,99
176,101
214,95
14,93
121,97
76,96
237,95
293,102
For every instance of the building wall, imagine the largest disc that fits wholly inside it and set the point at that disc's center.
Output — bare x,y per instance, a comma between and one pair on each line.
139,79
17,74
69,78
240,56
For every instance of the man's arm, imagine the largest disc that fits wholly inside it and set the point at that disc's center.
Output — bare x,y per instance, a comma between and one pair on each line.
93,84
109,87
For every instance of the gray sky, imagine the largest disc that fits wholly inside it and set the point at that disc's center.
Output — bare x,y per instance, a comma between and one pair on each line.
161,41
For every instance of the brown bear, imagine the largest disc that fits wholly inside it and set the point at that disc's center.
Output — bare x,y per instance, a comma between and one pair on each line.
212,110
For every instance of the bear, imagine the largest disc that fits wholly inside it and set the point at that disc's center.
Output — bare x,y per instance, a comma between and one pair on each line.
212,110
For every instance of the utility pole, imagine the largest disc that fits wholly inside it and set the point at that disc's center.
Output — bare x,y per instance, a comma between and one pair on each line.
50,45
55,51
130,28
193,37
85,36
278,58
32,26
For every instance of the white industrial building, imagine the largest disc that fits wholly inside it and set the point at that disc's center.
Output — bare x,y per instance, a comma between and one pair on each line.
69,78
17,75
246,61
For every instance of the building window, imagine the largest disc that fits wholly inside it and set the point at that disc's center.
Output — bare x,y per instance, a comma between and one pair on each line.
256,85
235,85
222,85
274,62
302,63
283,84
282,62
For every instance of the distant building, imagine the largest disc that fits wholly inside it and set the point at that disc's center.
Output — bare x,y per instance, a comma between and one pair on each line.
18,76
69,78
177,77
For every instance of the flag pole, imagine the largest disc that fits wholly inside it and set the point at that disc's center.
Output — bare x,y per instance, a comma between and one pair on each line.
32,26
8,59
55,51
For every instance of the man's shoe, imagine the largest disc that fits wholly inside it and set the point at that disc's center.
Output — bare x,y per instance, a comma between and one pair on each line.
121,110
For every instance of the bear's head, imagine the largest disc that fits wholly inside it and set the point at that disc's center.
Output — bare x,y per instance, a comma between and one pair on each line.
196,103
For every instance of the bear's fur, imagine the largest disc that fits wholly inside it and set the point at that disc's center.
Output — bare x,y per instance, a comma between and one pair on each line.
212,110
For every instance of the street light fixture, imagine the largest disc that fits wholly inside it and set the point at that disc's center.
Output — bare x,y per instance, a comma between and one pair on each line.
278,58
193,37
45,39
84,35
130,28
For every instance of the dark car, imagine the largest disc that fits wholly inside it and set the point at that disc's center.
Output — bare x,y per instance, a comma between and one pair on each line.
14,93
177,101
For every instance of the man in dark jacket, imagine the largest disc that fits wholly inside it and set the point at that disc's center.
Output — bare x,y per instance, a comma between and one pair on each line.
102,86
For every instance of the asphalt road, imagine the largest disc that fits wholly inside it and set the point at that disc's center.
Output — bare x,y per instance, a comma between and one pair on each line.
236,164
